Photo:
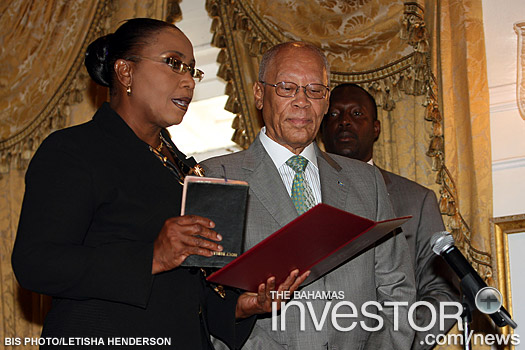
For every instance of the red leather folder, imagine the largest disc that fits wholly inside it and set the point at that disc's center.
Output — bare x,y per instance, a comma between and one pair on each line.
319,240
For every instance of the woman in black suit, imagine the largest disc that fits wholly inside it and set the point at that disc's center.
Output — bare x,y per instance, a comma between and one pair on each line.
99,229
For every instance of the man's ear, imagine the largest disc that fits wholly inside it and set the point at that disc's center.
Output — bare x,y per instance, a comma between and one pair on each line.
377,129
123,72
327,99
258,94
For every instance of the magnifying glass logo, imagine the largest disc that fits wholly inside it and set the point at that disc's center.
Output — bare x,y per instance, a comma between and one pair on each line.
488,300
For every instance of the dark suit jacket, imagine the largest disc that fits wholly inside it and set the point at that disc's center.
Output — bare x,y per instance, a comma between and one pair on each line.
434,279
96,199
379,274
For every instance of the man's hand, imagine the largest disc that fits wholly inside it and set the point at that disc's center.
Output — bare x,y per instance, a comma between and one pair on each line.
250,304
179,238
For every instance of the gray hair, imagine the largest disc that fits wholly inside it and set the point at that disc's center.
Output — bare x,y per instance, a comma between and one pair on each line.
272,52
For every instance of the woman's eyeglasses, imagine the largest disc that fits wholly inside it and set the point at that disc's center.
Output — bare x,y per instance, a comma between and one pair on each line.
176,65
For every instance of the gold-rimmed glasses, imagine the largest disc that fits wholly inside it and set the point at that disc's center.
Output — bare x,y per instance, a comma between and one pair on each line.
176,65
289,89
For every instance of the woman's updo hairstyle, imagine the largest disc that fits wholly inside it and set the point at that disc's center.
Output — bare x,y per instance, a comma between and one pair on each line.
127,41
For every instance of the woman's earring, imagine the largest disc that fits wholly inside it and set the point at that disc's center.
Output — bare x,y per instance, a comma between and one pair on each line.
128,90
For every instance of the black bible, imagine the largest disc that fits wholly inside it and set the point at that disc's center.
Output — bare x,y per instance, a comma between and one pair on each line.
223,202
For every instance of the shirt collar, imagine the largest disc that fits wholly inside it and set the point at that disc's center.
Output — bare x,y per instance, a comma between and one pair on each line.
281,154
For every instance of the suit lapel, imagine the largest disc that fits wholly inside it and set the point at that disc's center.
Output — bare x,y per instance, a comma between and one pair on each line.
334,188
384,173
266,184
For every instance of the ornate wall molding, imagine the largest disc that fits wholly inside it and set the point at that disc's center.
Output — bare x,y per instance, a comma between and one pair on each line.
519,27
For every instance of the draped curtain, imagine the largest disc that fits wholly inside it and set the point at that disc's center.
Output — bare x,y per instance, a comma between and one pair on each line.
44,87
459,63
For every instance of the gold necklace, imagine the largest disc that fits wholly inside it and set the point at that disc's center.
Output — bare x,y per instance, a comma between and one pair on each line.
178,167
159,147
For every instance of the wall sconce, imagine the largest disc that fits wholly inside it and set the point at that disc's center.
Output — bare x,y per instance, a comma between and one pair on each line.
519,28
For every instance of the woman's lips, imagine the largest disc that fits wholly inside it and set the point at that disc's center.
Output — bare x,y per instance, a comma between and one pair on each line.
182,102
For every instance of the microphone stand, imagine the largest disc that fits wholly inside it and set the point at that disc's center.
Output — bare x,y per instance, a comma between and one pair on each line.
466,316
468,288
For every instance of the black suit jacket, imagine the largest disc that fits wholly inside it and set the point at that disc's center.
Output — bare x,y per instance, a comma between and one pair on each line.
96,199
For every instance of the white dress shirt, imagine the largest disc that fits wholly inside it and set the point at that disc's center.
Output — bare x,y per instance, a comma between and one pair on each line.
281,154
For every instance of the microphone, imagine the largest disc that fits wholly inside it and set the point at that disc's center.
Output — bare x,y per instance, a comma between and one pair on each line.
442,243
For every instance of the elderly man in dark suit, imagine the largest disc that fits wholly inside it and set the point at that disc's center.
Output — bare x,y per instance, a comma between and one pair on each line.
350,128
292,93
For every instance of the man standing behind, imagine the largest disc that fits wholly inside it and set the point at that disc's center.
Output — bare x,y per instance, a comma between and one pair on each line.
350,129
288,174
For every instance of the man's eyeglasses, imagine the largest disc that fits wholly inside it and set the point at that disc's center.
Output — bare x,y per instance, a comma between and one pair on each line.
176,65
288,89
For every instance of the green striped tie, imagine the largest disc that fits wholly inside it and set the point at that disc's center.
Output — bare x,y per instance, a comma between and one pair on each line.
301,194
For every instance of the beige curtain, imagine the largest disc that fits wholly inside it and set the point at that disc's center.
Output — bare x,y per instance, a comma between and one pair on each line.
39,77
459,63
44,87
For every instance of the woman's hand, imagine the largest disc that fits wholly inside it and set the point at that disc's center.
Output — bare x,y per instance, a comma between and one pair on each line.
179,237
250,304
